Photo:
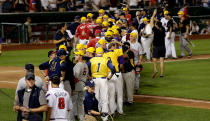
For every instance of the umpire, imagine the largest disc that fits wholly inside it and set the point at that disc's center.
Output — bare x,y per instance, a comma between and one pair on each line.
30,102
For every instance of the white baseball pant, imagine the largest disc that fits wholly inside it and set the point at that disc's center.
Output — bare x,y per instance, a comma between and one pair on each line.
170,47
129,80
146,43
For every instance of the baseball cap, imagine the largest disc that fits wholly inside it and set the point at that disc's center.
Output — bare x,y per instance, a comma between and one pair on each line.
145,19
116,32
125,9
108,34
101,11
105,23
29,67
83,19
90,15
115,27
51,52
80,46
79,52
98,21
61,52
77,17
63,47
122,14
165,12
90,83
99,50
29,75
133,34
91,49
105,16
102,41
98,31
180,13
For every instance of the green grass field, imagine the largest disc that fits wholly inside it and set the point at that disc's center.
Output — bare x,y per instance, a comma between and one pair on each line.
187,79
136,112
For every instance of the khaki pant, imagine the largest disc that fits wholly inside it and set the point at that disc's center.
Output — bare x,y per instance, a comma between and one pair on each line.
90,118
25,120
62,9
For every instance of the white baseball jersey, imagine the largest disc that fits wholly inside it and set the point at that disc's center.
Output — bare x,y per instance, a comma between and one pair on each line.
60,102
164,22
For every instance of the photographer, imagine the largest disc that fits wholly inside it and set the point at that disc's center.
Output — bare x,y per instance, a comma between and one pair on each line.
62,38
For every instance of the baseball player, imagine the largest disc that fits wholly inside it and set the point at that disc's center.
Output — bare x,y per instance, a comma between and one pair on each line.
55,67
147,38
59,102
164,20
90,53
170,36
81,74
135,46
115,84
184,34
98,67
81,36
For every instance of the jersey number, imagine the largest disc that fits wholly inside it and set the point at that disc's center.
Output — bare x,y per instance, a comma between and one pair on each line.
98,67
61,103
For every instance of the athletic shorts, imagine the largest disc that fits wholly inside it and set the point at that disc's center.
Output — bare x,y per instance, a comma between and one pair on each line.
159,51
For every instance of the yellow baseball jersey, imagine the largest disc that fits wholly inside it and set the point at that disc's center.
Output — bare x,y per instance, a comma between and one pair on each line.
114,59
99,67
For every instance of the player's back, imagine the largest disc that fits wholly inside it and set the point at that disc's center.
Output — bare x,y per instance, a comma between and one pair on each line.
99,67
59,101
114,59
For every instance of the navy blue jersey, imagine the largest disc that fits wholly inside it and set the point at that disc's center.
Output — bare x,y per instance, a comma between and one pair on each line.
58,36
54,67
90,102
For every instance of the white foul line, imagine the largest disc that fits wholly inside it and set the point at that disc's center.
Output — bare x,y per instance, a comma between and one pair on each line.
11,71
11,82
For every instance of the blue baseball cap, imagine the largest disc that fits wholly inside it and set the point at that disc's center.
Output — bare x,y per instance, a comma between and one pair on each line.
61,52
90,83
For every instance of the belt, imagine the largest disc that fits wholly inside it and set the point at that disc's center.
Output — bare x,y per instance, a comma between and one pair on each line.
100,78
57,118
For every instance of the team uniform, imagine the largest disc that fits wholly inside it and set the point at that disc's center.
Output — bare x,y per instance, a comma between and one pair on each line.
169,43
54,67
60,102
115,84
137,49
81,33
98,67
81,74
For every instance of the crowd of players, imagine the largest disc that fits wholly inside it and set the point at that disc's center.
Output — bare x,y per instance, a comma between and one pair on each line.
105,71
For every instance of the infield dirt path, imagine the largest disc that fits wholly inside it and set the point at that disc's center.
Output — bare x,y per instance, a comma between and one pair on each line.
9,77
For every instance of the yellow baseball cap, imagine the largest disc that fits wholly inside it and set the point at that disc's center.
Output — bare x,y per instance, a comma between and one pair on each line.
85,46
125,9
105,16
90,15
110,29
99,50
165,12
80,46
101,11
83,19
80,52
119,22
116,32
91,50
98,21
145,19
105,23
63,47
108,34
133,34
115,27
180,13
102,41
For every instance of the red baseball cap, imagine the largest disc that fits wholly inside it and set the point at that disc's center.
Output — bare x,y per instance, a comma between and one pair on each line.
98,31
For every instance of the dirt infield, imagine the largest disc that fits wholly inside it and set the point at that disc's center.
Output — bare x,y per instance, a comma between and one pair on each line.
9,77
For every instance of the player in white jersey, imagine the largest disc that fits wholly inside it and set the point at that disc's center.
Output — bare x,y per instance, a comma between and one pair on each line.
59,102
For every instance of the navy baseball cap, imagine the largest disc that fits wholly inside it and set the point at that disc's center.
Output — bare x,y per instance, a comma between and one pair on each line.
90,83
29,67
77,17
29,76
61,52
51,52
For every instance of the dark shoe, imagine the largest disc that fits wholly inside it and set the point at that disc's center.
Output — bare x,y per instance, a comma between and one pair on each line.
136,92
189,56
154,74
161,76
174,58
180,56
